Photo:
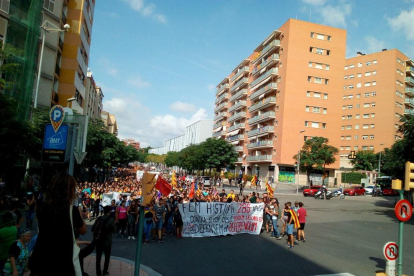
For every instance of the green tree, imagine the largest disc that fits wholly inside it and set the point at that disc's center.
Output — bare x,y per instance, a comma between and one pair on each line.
217,154
315,155
172,159
365,160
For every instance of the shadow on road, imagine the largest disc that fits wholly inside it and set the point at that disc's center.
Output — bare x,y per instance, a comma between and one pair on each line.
388,204
380,262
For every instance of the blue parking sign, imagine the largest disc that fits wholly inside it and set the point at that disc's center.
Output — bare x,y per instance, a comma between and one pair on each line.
54,144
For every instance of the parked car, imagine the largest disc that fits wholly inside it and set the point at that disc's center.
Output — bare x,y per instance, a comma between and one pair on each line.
369,189
311,191
206,180
355,190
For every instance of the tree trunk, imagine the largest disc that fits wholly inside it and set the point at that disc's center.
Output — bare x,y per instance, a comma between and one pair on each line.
308,177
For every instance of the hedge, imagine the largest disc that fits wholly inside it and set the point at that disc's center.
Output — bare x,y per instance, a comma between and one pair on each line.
353,177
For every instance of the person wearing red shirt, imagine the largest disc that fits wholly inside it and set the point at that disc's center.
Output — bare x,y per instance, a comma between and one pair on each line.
302,214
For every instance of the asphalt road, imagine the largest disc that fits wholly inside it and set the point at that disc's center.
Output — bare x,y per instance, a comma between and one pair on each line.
341,236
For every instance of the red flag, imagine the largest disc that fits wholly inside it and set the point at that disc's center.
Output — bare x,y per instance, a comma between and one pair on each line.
163,186
191,194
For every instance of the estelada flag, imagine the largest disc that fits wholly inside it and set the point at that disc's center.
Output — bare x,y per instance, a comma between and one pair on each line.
191,194
269,189
295,218
254,180
163,186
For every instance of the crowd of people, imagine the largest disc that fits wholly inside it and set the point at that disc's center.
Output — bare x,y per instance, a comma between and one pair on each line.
62,209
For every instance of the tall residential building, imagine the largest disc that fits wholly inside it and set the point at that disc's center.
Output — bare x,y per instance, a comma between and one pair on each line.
54,16
75,55
195,133
281,95
94,96
110,122
378,88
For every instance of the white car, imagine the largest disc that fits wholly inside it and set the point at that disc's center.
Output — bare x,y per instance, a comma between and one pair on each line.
369,189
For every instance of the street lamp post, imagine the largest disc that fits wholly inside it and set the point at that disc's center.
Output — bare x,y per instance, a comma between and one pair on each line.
298,167
45,28
379,161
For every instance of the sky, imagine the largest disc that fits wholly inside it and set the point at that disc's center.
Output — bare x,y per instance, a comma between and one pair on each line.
158,62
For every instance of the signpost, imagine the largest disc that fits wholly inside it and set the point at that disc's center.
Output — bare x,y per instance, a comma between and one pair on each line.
391,254
54,144
352,155
403,210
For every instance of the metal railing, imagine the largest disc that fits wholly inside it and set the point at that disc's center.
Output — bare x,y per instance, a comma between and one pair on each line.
262,103
261,116
236,116
263,90
265,63
238,94
241,71
273,71
241,103
222,97
237,126
237,84
266,49
261,130
259,158
222,88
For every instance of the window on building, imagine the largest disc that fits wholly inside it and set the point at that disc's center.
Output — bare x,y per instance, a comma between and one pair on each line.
373,94
357,116
309,78
374,61
343,117
364,137
307,108
366,104
49,5
356,126
365,126
365,116
349,127
372,115
318,80
326,81
347,148
319,51
356,137
308,94
358,85
368,63
352,66
315,125
324,110
359,75
320,36
351,76
327,67
325,96
342,137
358,96
349,117
367,84
355,147
318,65
350,96
346,67
372,104
316,95
349,107
348,138
328,52
360,64
345,77
366,95
310,63
357,106
364,147
374,83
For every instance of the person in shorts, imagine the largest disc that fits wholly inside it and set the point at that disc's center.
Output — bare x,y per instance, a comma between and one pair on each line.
302,214
160,210
289,227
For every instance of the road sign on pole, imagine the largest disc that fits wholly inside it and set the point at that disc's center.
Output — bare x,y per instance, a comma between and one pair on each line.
391,251
352,155
54,144
403,210
56,115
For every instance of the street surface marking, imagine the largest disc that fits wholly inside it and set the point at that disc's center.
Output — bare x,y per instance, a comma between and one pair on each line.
340,274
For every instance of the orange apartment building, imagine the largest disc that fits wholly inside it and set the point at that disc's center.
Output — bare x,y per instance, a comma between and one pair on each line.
378,88
285,92
75,54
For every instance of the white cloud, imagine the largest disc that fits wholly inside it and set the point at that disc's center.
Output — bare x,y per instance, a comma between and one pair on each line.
146,10
373,44
139,83
336,15
183,107
211,87
136,122
405,22
314,2
108,66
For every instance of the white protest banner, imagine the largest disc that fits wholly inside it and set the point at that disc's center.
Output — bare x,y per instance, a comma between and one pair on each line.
205,219
107,198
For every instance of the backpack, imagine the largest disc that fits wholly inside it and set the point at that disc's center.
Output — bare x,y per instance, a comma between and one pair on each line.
100,231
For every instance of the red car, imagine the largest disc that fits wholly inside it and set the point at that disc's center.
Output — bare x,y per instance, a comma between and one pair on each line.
355,190
311,191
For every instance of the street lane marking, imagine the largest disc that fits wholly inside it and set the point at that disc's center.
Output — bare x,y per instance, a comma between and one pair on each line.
340,274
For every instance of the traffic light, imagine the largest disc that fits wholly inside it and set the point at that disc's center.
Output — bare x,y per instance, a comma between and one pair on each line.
397,184
409,176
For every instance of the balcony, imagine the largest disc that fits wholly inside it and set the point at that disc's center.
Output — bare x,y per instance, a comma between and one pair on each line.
235,138
237,126
263,104
236,117
237,106
222,97
264,77
81,62
238,95
409,102
262,130
272,59
239,160
239,148
409,81
57,69
259,158
241,71
217,125
238,84
409,69
268,48
220,116
409,111
269,87
261,144
409,91
270,115
220,107
63,18
219,133
222,88
60,44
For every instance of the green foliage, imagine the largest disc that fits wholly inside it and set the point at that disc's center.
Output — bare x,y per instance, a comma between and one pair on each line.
316,154
365,160
159,159
229,175
353,177
172,159
105,149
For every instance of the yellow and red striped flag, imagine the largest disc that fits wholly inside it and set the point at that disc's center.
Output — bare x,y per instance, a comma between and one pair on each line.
173,180
269,189
254,180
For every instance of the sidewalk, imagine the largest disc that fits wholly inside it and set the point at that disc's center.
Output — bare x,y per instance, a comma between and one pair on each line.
117,267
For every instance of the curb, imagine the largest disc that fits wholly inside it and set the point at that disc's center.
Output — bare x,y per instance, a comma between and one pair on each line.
147,269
